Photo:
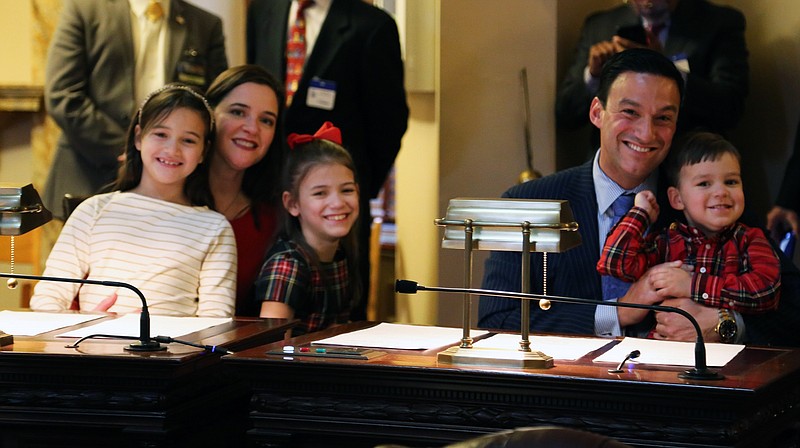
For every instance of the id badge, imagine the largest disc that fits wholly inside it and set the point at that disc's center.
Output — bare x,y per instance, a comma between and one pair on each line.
321,94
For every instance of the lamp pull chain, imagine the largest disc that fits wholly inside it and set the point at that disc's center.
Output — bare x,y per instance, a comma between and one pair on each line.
12,282
544,304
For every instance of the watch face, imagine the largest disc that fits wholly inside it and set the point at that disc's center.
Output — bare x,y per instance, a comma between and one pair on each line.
727,330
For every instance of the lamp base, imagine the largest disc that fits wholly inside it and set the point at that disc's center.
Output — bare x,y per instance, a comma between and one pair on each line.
6,339
495,357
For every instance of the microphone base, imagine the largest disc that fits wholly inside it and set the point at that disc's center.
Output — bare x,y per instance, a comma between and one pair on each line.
150,346
701,374
6,339
495,357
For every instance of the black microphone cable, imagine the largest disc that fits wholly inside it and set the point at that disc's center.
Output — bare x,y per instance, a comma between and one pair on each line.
159,339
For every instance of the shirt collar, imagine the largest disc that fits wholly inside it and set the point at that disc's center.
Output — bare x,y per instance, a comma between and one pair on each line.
607,191
139,6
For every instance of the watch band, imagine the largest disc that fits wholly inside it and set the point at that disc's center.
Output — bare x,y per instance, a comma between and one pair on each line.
726,327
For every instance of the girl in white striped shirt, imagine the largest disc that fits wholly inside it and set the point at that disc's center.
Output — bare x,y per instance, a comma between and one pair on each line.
155,231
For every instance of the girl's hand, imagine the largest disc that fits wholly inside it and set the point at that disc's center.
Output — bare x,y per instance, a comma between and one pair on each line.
107,303
647,200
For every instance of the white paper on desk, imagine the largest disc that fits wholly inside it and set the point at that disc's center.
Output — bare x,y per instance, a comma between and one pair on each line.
670,353
565,348
401,337
27,323
128,325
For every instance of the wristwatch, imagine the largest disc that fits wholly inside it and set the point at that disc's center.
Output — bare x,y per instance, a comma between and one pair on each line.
726,327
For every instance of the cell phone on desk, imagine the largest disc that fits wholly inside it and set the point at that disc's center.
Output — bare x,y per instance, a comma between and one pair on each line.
634,33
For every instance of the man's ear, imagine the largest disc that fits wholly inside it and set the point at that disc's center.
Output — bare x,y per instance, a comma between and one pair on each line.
290,204
675,200
596,110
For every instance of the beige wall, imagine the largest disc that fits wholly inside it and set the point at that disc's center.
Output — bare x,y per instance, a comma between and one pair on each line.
466,138
484,45
16,54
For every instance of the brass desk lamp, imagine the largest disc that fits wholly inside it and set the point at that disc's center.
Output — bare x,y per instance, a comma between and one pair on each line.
506,225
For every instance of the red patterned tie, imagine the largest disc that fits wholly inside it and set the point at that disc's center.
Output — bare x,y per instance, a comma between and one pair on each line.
296,50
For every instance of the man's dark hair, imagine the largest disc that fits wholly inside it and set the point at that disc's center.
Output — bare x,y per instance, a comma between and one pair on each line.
637,60
696,147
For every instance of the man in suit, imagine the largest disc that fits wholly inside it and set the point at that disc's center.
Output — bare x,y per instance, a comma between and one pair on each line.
636,110
93,86
353,77
705,41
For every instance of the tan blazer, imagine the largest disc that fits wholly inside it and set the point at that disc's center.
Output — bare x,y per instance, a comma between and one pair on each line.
89,84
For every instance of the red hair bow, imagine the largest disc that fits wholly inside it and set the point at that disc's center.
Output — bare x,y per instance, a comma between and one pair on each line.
327,132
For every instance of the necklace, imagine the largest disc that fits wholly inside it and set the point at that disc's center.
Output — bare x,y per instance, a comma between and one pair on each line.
233,202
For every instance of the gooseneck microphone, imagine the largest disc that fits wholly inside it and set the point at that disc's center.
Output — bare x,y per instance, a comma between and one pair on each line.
145,342
699,372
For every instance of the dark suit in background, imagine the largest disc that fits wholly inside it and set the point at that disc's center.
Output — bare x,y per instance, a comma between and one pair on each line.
711,37
358,48
89,84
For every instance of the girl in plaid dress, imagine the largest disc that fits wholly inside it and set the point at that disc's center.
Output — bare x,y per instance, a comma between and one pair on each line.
309,272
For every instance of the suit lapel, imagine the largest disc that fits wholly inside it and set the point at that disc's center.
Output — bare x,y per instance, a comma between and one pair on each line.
329,40
682,25
584,206
119,14
177,36
273,32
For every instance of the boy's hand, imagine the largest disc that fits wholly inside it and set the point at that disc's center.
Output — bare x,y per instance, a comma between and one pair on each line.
647,201
671,280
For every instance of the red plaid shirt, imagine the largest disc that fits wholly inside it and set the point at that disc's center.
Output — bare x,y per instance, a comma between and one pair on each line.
737,269
319,295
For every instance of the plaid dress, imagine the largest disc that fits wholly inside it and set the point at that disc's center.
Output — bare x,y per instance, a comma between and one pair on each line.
736,269
320,295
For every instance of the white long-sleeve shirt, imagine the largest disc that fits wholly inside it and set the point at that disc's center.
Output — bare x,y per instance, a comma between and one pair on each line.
182,258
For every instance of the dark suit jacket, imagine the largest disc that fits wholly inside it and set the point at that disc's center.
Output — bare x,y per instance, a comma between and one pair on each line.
358,48
574,274
571,273
710,36
89,84
789,194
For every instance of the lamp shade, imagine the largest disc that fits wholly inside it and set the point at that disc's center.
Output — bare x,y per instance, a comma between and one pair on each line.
21,210
497,224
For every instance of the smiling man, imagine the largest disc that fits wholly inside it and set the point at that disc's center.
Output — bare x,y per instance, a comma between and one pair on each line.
636,110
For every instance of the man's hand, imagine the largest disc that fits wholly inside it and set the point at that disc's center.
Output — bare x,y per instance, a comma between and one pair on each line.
599,53
676,327
642,292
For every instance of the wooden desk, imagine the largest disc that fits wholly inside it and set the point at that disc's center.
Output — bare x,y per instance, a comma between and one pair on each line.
101,395
406,397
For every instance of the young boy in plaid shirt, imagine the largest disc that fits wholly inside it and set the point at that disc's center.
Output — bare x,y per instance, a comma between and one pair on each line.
718,261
